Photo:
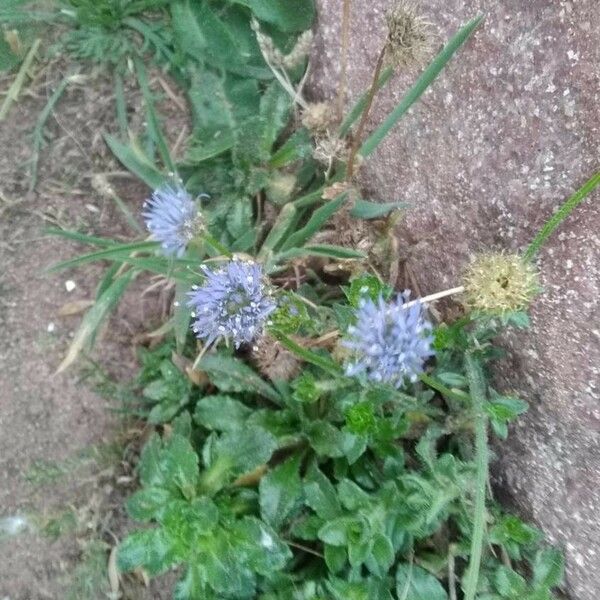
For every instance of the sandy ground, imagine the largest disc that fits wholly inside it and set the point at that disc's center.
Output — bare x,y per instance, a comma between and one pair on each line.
63,451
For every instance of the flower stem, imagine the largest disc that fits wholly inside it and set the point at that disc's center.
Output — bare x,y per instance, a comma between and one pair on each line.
477,390
365,115
341,95
437,296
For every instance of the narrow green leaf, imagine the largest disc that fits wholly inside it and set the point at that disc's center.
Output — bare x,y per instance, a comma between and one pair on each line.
325,250
311,357
116,252
360,106
557,218
136,161
285,15
363,209
424,81
316,221
94,318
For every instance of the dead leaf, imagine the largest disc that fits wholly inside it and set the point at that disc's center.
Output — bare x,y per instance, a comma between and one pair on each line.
74,308
113,573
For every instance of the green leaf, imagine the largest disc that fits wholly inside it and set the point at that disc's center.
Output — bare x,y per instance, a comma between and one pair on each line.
192,587
335,532
335,557
285,15
361,104
318,218
172,465
115,252
149,548
94,317
230,374
326,439
244,450
239,217
324,362
363,209
134,159
424,81
382,555
325,250
280,492
420,584
275,107
548,568
221,412
148,503
508,583
297,147
320,495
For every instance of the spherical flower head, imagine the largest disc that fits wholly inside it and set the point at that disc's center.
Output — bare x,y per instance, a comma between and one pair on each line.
234,303
173,218
390,342
409,37
498,283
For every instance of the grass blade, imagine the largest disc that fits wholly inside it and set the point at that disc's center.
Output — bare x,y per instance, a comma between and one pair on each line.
81,237
38,132
94,318
358,108
307,355
565,210
316,221
424,81
153,123
325,250
15,89
117,252
136,161
477,391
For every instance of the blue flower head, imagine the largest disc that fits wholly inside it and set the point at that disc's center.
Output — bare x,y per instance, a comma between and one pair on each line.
233,303
389,342
172,217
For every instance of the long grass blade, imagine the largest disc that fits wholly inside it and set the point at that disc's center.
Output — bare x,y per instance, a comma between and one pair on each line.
565,210
424,81
361,104
117,252
94,318
15,89
316,221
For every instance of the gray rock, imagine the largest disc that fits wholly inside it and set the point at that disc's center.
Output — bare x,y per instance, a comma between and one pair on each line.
507,132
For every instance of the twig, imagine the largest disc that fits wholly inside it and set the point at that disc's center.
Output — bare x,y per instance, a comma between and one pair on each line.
341,95
365,115
437,296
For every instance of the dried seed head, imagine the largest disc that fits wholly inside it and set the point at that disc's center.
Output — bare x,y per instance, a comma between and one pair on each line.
273,360
318,117
330,148
276,57
409,35
498,283
300,51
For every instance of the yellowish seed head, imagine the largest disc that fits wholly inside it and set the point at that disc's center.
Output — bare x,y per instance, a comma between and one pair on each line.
498,283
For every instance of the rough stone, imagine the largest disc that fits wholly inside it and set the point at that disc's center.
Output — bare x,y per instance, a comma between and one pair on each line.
508,131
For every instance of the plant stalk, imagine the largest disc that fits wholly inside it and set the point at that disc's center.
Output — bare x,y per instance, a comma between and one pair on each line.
477,390
365,116
341,95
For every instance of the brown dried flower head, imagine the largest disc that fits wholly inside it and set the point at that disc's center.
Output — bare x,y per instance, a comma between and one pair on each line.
330,148
318,117
409,35
273,360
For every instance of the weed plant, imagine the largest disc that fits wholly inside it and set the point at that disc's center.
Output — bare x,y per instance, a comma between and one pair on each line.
317,435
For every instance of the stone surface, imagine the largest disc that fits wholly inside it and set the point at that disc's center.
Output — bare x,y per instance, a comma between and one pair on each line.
507,132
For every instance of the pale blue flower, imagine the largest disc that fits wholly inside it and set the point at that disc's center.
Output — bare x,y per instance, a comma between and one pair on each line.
172,217
233,303
390,343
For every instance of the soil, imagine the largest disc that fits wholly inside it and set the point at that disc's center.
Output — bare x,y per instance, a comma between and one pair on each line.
65,455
